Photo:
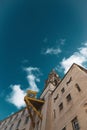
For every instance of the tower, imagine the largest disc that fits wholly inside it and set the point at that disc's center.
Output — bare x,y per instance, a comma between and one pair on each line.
51,83
53,80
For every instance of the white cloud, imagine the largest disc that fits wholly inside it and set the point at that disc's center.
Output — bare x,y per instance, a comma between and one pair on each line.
16,97
17,94
30,69
52,51
79,57
33,77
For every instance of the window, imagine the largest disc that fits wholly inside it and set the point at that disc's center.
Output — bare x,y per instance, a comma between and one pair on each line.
23,112
68,98
78,88
37,127
62,90
27,119
69,81
61,106
16,117
75,124
11,127
5,128
18,123
10,119
64,128
54,113
4,123
56,97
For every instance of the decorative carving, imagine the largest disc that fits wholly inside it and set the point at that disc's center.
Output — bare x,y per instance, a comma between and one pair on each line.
53,78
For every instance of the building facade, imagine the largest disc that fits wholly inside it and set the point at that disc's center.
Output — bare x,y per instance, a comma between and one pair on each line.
64,108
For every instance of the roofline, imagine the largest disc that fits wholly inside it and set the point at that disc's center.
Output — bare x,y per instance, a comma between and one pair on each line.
60,80
82,68
12,114
46,87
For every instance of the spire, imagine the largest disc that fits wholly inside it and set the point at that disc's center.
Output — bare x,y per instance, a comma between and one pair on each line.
53,78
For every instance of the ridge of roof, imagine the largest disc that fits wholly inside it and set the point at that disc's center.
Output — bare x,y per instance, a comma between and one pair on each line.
83,69
13,114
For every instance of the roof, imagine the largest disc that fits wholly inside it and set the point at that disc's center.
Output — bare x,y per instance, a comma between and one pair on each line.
74,64
36,104
13,114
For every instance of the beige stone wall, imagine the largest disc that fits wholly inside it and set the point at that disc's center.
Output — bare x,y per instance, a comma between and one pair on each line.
46,109
14,120
53,118
76,106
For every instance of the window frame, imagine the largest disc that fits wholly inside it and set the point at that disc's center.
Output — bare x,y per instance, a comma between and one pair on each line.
75,124
64,128
63,90
18,124
68,97
26,120
60,106
78,87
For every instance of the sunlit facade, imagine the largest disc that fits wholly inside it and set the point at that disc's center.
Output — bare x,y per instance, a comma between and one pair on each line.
64,108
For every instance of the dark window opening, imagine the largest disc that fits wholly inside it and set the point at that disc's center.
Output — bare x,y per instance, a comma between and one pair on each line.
4,123
61,106
62,90
16,117
69,81
75,124
78,87
64,128
23,112
37,125
68,98
18,123
5,128
54,113
27,119
56,97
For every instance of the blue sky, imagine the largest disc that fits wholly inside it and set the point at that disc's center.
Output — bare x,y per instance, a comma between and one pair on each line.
36,37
